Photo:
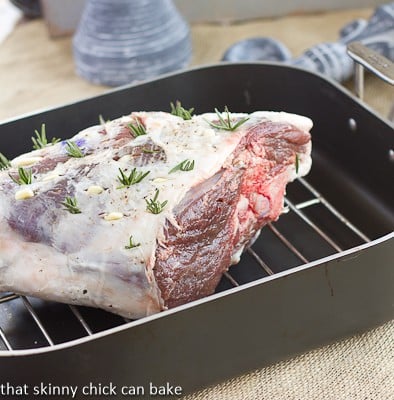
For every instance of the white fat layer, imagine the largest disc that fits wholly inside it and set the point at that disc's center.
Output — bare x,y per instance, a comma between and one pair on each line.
104,241
37,269
299,121
304,164
180,140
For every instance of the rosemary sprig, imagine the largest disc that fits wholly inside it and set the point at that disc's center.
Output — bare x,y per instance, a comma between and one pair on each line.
41,141
131,244
131,179
4,162
138,129
179,111
297,163
226,123
147,151
70,204
73,150
102,121
25,176
153,205
185,165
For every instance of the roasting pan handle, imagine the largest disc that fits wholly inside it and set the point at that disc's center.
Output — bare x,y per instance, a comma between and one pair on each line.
364,57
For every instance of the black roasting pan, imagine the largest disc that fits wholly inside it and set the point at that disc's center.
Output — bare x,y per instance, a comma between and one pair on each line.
322,272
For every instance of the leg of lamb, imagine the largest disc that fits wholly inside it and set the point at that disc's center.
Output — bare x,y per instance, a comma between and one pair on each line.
147,211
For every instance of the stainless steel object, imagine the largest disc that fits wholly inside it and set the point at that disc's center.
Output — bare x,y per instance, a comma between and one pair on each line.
322,272
381,66
373,61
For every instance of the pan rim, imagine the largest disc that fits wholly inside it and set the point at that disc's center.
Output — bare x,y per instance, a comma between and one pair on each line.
207,66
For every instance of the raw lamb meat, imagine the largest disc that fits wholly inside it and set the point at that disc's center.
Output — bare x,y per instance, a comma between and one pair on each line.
147,211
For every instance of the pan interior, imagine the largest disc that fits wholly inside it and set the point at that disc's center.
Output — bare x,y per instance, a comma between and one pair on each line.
341,204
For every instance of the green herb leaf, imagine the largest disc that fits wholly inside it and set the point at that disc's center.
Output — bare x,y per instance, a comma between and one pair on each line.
154,205
297,163
131,179
70,204
41,141
131,244
227,123
103,121
73,150
185,165
137,128
25,176
4,162
147,151
179,111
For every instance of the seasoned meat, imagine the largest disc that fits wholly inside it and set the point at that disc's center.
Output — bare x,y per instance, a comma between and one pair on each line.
140,221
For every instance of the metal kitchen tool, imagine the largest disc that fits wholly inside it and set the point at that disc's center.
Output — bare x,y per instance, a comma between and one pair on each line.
371,60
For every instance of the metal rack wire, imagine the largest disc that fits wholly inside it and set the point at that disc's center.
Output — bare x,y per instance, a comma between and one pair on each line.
297,209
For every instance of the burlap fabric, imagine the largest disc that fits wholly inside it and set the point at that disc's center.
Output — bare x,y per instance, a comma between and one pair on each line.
358,368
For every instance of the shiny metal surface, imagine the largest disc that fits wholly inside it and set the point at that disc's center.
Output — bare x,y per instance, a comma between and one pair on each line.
365,57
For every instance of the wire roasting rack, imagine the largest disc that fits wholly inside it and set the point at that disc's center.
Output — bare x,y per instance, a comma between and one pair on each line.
309,229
